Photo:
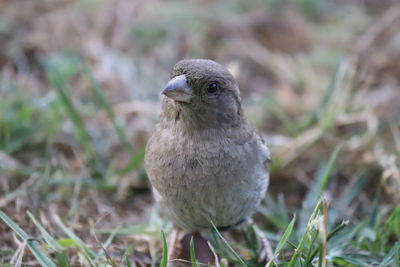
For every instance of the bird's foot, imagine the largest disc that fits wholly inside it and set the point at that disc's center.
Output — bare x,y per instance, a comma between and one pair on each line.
266,254
173,245
179,249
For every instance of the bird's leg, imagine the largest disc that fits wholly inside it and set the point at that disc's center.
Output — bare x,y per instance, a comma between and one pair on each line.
203,251
266,250
266,253
172,245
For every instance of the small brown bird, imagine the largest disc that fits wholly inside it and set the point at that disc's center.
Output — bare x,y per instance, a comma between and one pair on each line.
205,162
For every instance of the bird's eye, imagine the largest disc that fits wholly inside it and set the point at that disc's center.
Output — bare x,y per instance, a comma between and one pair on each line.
212,89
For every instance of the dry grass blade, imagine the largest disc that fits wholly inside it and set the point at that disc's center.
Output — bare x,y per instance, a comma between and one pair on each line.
365,43
5,200
19,254
323,233
216,260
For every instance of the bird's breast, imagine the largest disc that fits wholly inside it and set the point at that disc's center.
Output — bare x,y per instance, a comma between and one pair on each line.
202,178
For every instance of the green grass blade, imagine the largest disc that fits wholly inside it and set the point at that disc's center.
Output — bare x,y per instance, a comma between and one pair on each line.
164,259
275,212
276,110
193,253
392,258
330,235
43,259
320,183
58,83
62,260
326,98
46,236
101,98
299,250
352,260
135,162
238,258
328,170
393,222
285,236
348,196
87,252
128,262
373,216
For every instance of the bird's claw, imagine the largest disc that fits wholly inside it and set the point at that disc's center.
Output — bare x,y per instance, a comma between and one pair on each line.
266,253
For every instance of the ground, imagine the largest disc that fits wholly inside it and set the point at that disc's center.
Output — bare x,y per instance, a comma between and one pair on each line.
80,86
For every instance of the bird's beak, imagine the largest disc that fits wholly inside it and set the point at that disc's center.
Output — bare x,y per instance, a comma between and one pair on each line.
178,89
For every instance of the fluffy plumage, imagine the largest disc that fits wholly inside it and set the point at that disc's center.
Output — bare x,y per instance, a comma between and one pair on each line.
204,161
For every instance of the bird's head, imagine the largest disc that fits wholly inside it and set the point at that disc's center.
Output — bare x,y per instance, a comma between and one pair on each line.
205,92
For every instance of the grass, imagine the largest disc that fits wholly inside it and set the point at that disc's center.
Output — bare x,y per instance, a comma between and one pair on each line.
368,242
42,258
320,238
74,122
319,242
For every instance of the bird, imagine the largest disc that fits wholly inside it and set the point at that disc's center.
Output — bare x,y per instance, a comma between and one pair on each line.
206,163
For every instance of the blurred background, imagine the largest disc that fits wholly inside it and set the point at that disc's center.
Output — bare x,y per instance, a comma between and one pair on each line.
80,86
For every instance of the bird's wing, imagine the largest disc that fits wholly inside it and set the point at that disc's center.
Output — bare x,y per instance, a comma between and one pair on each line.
264,144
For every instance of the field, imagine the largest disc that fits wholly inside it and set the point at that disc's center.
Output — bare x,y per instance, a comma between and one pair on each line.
80,84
